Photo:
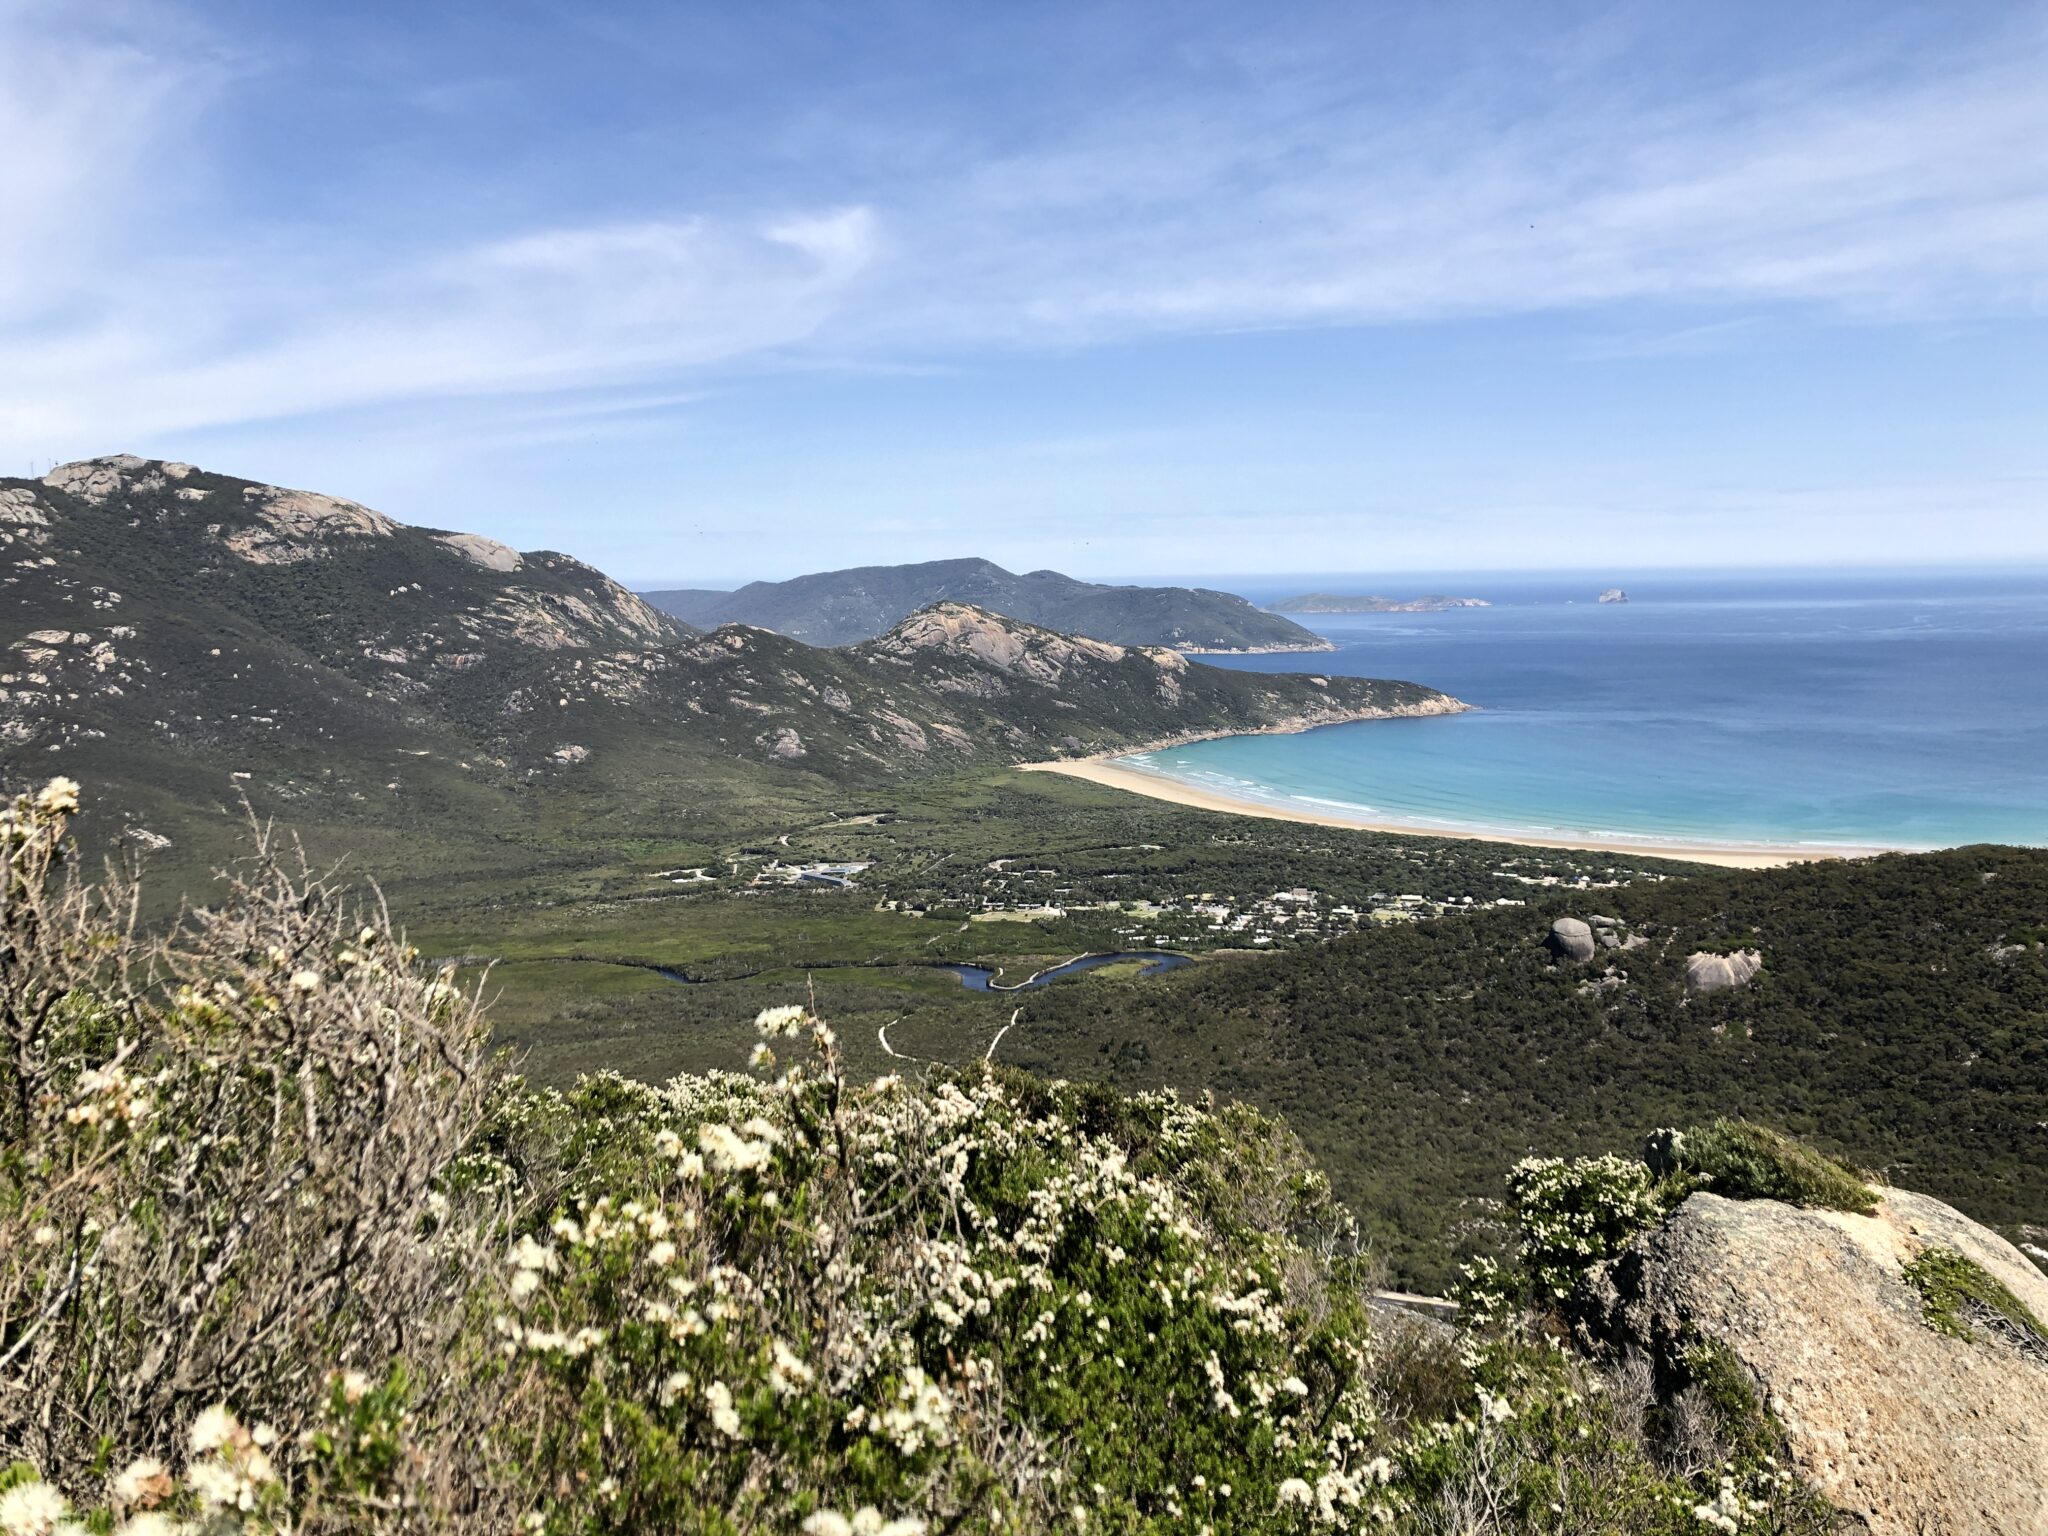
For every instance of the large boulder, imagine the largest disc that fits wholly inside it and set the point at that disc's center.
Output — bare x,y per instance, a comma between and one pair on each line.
1901,1427
1570,939
1716,973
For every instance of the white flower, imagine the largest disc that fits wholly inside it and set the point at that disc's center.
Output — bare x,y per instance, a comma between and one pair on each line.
731,1152
59,797
43,1236
789,1371
866,1521
724,1417
662,1253
33,1509
139,1479
355,1386
305,981
780,1021
533,1257
213,1429
214,1483
149,1523
1295,1491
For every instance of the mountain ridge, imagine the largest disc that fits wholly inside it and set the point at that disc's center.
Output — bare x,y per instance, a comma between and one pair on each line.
179,633
847,606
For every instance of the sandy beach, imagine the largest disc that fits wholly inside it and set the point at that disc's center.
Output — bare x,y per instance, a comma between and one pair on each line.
1108,772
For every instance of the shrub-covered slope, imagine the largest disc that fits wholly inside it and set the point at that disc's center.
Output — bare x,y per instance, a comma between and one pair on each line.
287,1253
841,607
1901,1017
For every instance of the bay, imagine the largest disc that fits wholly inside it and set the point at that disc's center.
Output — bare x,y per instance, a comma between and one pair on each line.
1808,710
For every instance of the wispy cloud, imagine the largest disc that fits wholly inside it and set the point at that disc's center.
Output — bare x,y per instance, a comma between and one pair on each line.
125,313
1246,182
83,113
1874,186
169,346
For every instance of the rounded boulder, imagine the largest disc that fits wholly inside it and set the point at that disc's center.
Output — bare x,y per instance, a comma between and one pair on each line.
1570,939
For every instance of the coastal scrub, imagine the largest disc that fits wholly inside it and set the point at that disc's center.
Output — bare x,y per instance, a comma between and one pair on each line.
296,1255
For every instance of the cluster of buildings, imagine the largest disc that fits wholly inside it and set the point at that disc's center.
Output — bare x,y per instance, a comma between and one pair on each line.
776,872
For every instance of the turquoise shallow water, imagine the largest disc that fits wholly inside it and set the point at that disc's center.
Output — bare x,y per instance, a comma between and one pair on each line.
1905,712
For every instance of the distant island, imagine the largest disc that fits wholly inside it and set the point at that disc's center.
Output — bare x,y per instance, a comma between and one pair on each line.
1614,595
1331,602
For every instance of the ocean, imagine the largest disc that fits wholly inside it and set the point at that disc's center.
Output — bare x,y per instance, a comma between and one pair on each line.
1801,710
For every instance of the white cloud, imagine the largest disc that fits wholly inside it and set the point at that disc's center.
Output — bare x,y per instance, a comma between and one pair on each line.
127,314
82,110
1267,187
1877,187
544,311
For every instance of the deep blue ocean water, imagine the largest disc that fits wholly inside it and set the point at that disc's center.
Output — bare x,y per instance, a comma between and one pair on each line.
1897,710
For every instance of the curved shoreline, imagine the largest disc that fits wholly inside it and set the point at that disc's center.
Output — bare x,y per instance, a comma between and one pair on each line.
1108,772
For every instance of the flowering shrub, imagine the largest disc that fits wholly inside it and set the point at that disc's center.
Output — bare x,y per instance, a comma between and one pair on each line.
1574,1214
219,1157
987,1297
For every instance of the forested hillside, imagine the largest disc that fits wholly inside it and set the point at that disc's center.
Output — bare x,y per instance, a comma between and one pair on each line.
1901,1019
841,607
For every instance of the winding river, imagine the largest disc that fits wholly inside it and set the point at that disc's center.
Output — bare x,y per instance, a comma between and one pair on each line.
982,978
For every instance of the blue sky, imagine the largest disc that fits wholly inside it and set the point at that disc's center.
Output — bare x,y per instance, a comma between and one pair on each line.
703,293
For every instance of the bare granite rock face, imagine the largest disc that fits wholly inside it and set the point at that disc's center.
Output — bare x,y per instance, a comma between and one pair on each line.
1717,973
1902,1428
100,479
290,526
1570,939
478,550
1007,645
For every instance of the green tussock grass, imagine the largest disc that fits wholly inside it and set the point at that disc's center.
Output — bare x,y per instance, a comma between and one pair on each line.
1954,1288
1746,1161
